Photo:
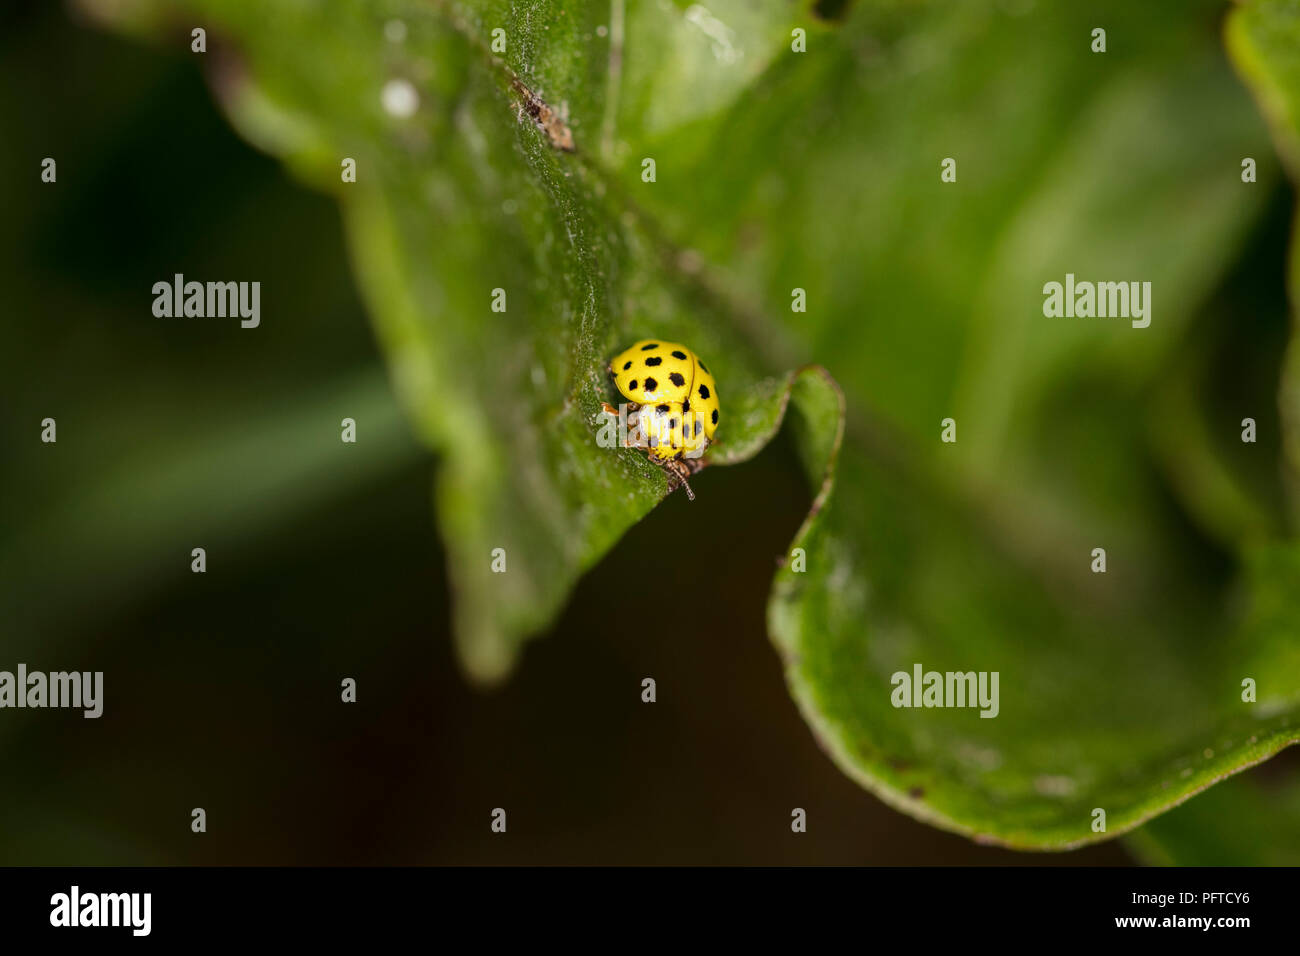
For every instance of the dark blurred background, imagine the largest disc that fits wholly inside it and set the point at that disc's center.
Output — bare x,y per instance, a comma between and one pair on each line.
223,689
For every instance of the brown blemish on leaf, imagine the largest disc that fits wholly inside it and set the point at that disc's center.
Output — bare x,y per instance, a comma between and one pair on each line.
916,793
548,120
831,10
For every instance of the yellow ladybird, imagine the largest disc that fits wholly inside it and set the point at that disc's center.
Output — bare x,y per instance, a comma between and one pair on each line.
672,407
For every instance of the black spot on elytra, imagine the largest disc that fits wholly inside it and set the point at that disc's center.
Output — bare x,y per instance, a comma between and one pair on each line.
651,385
676,379
626,366
651,345
698,427
704,391
654,361
705,368
672,423
679,355
715,416
686,405
632,384
661,409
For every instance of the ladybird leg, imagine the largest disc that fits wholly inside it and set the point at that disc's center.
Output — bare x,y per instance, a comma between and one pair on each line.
625,424
677,472
609,409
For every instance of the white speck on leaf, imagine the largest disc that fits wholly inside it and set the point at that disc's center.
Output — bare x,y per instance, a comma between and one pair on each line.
725,50
1054,785
395,31
400,98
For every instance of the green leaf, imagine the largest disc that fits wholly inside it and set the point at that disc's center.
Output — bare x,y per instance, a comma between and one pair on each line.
1264,38
1244,822
1120,692
451,204
819,171
1250,821
118,528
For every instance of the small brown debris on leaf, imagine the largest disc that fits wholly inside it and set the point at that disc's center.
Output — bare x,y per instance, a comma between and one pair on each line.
548,120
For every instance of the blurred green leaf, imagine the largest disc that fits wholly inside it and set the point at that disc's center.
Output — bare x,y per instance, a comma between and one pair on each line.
1243,822
1253,821
129,523
1262,37
172,435
1264,40
820,171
